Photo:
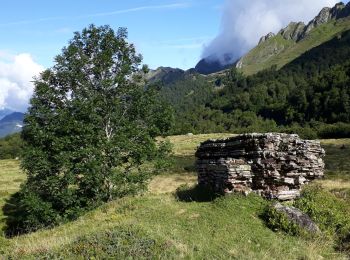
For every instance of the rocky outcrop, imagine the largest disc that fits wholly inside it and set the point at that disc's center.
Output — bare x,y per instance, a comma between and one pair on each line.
293,31
266,37
337,12
288,38
275,166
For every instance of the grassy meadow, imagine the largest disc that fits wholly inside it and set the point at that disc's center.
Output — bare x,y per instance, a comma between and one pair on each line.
163,224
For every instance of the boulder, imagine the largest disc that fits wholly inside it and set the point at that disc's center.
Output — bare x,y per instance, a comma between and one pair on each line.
295,215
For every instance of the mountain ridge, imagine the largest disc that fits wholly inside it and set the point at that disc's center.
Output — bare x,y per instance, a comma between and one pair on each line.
295,39
273,45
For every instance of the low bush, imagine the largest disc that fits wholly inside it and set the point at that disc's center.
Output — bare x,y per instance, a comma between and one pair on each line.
331,214
278,221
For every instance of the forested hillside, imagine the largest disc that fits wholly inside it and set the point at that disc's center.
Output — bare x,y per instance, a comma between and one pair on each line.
310,94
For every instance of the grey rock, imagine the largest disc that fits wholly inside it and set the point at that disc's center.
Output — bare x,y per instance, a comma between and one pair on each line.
293,31
266,37
298,217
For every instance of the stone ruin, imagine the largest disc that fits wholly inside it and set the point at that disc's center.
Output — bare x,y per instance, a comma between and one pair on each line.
272,165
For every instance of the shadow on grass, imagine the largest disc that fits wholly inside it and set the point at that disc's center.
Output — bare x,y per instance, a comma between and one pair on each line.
337,162
11,210
184,163
195,194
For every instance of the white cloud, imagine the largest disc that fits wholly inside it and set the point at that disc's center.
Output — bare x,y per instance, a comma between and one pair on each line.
16,76
244,22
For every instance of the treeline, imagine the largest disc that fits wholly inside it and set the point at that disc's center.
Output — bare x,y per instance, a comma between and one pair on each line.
310,96
10,147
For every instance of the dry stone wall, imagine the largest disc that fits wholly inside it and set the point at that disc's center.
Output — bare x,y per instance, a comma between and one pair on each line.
272,165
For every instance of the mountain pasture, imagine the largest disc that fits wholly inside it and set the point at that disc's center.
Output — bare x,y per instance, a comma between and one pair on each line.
163,224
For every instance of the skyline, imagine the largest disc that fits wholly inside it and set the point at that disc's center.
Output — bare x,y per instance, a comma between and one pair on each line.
168,33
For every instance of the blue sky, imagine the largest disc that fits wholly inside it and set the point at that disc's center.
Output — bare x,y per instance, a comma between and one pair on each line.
166,32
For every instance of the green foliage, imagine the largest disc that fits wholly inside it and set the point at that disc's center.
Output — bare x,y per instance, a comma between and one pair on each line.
90,129
338,130
278,221
329,212
10,147
305,132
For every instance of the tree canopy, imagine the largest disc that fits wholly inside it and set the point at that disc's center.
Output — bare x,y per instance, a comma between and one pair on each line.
90,129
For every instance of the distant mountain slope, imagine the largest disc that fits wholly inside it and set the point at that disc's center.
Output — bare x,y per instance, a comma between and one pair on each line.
165,75
11,123
296,39
285,46
4,112
310,96
211,65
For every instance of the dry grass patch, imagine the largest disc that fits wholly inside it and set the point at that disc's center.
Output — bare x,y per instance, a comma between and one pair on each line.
169,183
187,144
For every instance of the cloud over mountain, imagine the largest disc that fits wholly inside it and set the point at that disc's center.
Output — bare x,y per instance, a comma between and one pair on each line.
244,22
16,76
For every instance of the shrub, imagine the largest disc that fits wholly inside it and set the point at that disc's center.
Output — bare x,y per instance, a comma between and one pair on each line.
278,221
304,132
330,213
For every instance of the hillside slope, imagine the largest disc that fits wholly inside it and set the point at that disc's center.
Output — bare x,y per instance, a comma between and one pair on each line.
294,40
307,95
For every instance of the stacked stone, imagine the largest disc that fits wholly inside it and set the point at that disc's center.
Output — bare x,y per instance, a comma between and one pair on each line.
272,165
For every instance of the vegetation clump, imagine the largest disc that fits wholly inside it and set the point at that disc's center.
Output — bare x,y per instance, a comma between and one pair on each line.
10,147
278,221
330,213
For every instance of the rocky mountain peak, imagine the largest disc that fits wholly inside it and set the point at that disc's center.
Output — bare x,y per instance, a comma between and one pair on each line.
266,37
293,31
340,10
298,31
